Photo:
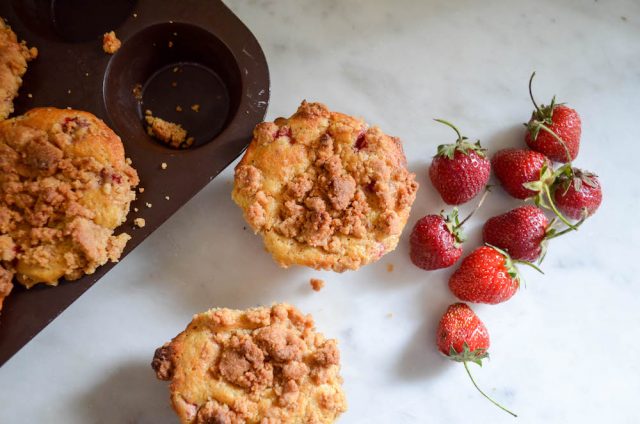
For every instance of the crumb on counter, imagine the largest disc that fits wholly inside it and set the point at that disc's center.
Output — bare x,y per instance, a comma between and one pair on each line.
167,198
149,205
139,222
168,132
110,43
175,69
195,107
163,165
178,108
30,96
141,189
135,15
316,284
135,209
390,267
137,91
69,91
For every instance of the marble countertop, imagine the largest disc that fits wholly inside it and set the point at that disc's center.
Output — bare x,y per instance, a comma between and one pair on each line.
560,348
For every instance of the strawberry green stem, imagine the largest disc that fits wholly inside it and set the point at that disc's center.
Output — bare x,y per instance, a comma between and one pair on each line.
531,93
530,264
555,210
557,137
568,230
466,367
484,196
450,125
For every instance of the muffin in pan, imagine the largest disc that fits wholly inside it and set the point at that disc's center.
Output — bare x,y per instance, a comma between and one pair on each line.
263,365
324,190
64,187
14,56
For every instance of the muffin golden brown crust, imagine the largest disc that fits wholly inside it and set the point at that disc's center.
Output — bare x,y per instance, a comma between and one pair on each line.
13,65
262,365
324,190
64,188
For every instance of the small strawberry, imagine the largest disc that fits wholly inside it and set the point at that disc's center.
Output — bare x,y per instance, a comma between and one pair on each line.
577,191
459,171
462,337
436,240
487,275
521,232
527,174
553,130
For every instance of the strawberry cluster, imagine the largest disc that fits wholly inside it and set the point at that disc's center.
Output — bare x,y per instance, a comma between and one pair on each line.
459,172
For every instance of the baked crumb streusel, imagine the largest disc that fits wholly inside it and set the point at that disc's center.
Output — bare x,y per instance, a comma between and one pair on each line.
324,190
263,365
14,56
64,188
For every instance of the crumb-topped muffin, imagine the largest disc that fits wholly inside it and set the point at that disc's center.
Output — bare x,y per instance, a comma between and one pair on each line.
64,188
324,190
263,365
14,56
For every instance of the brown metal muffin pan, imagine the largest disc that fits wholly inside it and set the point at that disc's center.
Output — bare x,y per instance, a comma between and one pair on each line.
182,52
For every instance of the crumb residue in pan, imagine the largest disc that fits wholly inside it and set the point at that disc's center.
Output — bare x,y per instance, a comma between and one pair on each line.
169,133
137,91
110,43
139,222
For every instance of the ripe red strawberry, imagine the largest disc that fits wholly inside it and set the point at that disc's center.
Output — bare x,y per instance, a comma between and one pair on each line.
487,275
554,130
516,167
462,337
527,174
459,171
576,191
521,232
436,241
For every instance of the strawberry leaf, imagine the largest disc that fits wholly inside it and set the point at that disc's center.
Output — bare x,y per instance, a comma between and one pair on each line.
467,355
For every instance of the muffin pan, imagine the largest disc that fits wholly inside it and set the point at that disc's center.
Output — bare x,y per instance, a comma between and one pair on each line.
182,53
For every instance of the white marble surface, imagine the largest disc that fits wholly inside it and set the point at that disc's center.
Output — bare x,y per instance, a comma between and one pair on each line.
562,349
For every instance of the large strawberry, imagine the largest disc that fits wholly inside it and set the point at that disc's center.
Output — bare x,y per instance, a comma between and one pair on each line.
487,275
554,130
578,193
527,174
436,240
459,171
462,337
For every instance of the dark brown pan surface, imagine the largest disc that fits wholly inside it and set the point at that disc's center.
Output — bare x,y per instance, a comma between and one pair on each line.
183,53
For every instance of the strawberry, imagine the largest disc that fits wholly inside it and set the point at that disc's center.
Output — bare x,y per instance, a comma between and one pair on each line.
521,232
577,191
553,130
527,174
487,275
459,171
462,337
515,167
436,240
